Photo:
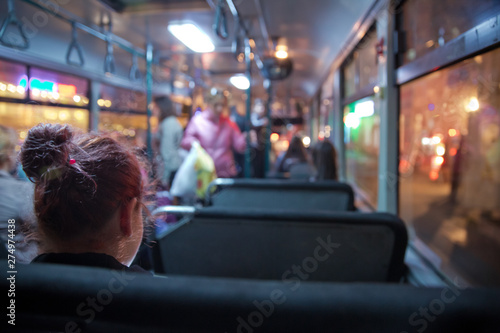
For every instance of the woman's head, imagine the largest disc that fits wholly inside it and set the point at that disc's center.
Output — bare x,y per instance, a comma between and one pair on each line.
88,192
297,150
216,101
325,160
7,148
164,107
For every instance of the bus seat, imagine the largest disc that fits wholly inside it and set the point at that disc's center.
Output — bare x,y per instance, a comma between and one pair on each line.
282,194
339,246
62,298
302,171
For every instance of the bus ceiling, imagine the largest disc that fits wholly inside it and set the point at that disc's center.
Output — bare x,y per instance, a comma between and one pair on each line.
270,26
311,33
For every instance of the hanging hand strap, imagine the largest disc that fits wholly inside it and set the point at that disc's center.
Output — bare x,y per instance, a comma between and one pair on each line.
11,20
220,24
135,74
74,45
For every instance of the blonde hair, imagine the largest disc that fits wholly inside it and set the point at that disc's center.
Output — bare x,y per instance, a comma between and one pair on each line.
215,96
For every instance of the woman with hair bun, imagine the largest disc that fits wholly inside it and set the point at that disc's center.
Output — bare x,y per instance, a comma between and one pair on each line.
88,197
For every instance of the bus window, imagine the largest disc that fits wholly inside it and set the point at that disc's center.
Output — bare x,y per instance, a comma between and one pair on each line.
450,165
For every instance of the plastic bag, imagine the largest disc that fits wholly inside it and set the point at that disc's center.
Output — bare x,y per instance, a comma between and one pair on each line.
205,171
194,174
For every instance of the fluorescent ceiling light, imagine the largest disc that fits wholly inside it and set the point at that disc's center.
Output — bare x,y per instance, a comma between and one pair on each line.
240,82
191,36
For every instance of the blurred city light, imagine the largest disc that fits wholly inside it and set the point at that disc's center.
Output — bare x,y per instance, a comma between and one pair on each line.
473,105
306,141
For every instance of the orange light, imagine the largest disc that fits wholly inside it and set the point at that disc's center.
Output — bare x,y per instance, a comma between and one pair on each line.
453,151
452,132
404,166
66,89
275,137
433,175
438,160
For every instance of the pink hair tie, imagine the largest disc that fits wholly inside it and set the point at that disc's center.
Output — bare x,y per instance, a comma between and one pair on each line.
72,161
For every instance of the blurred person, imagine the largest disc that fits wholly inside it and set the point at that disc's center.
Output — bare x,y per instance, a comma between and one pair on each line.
259,129
88,198
296,154
169,137
217,134
16,200
324,158
239,158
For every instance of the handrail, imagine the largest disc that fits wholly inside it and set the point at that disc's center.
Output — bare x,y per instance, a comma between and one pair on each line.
174,210
214,183
11,19
94,31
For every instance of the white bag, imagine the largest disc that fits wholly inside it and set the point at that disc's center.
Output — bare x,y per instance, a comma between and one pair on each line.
184,183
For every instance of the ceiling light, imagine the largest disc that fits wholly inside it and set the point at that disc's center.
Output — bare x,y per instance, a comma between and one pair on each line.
281,52
191,36
240,81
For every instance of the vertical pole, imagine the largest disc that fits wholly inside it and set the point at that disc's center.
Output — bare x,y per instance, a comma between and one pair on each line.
338,123
389,138
248,161
149,94
267,152
95,90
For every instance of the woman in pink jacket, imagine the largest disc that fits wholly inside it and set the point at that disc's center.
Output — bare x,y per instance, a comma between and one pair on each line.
217,134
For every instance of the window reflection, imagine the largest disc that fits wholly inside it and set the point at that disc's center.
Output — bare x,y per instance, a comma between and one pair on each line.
126,126
120,99
13,80
48,86
429,24
450,165
22,117
362,140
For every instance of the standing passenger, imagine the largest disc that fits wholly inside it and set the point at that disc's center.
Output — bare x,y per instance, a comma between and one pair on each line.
16,203
217,134
88,197
169,136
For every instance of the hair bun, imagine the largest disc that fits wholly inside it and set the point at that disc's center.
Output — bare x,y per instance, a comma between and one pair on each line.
46,146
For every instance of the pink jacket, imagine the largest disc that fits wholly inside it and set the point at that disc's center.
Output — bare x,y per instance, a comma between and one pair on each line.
218,139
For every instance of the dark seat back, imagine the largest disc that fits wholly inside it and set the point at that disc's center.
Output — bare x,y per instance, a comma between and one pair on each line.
58,298
341,246
282,194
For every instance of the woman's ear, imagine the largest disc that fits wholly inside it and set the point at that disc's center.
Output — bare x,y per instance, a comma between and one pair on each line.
126,214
